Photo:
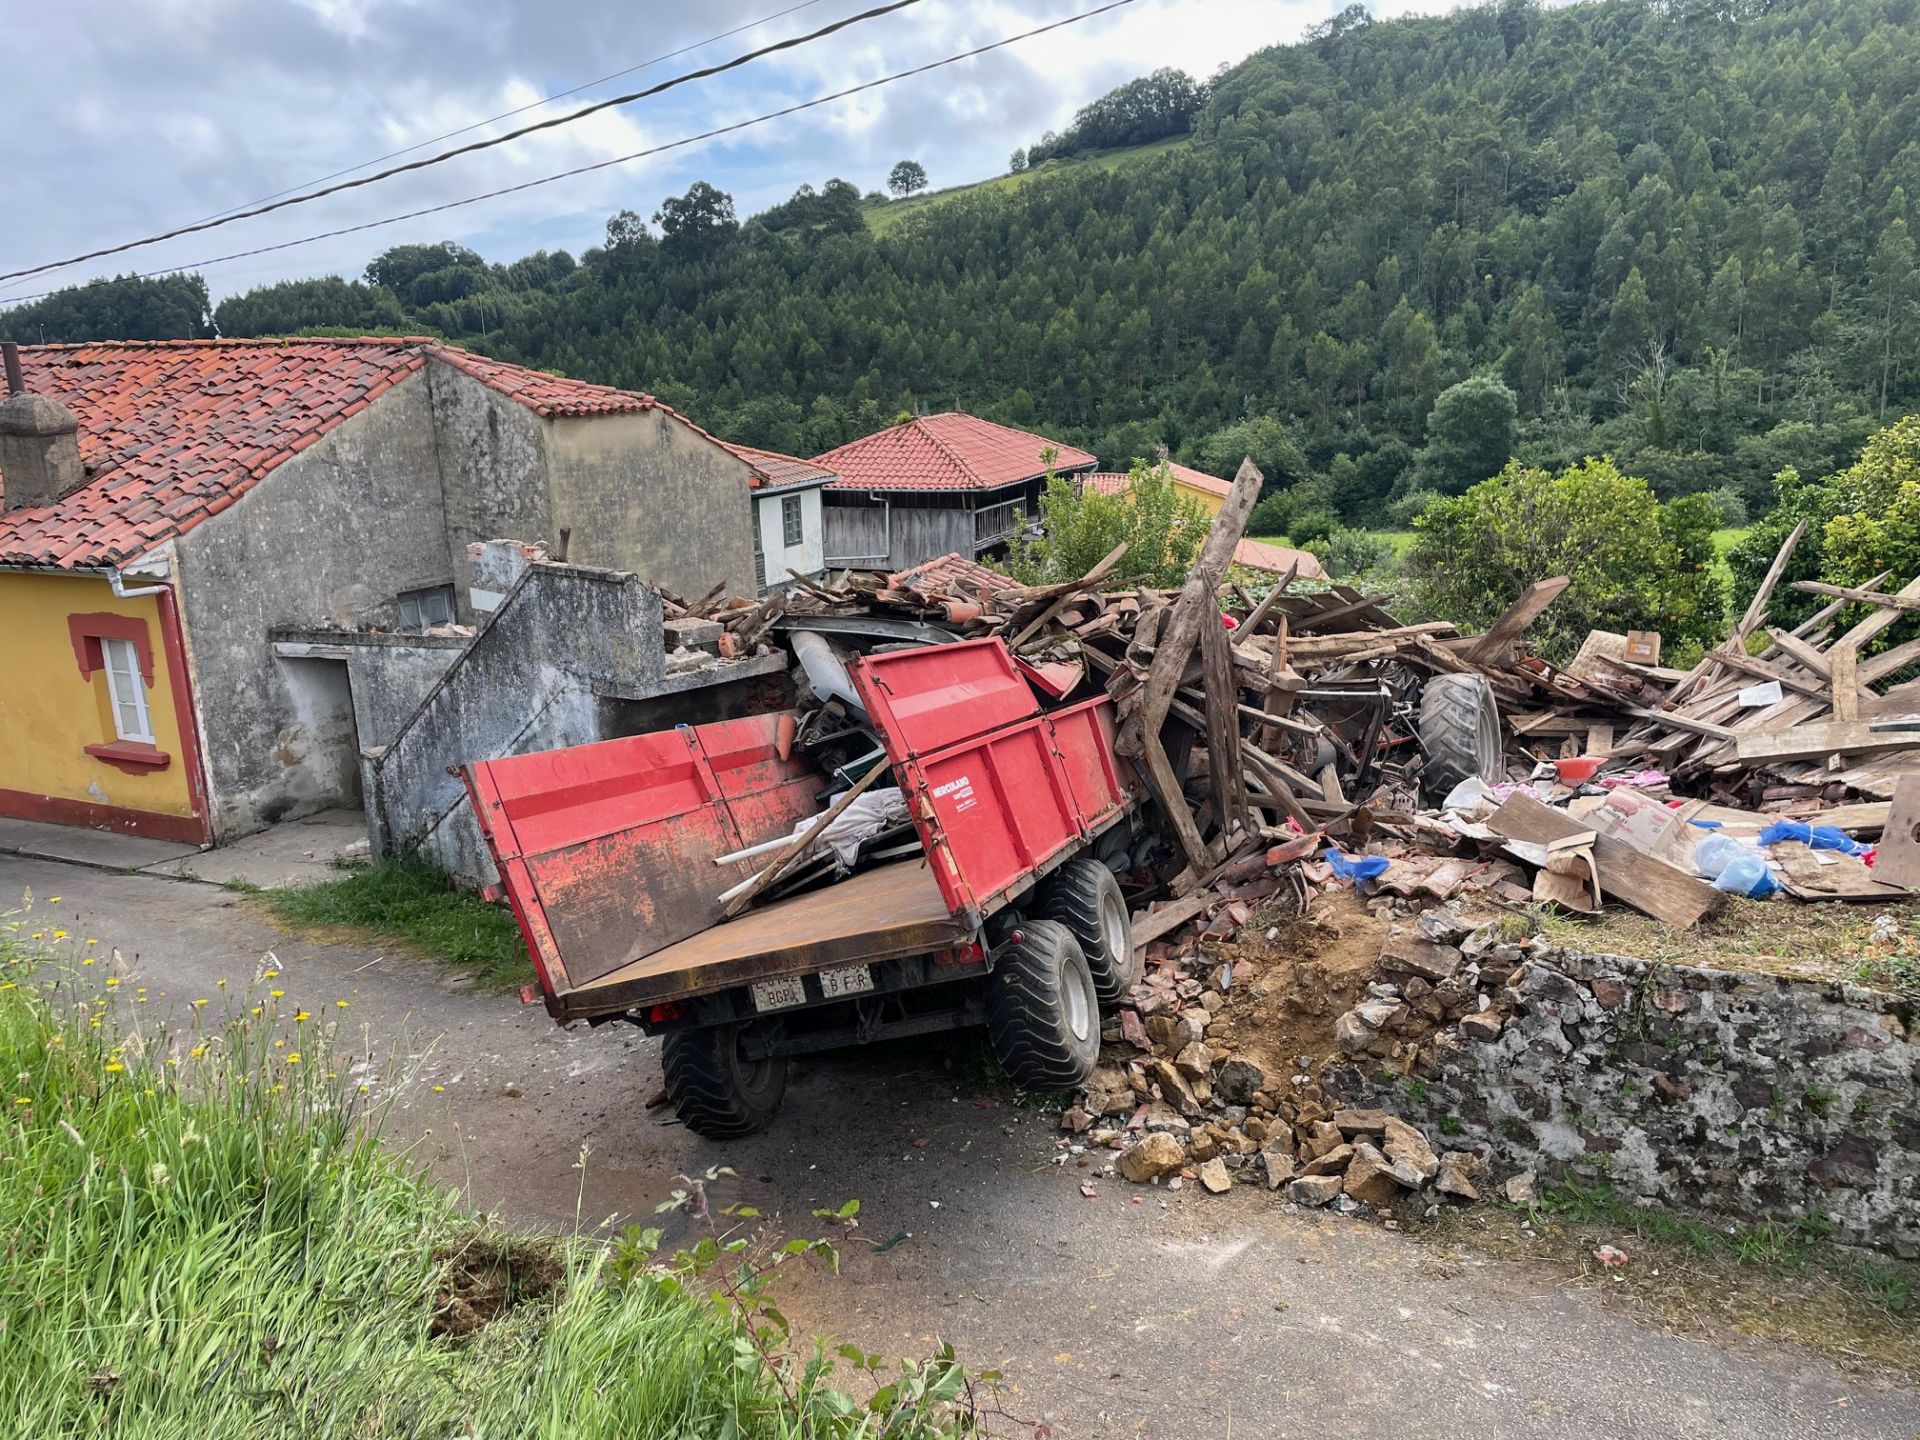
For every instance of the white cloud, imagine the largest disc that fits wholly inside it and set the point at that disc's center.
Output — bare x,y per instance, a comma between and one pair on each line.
186,107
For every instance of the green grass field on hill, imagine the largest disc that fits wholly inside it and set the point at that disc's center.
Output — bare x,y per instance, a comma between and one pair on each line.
883,217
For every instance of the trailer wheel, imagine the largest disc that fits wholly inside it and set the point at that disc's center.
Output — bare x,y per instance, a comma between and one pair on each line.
1459,733
1043,1014
1084,897
717,1091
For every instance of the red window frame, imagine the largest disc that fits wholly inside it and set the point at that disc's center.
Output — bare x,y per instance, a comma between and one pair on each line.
86,631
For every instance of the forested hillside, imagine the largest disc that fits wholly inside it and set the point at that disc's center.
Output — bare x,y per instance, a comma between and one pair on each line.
1677,232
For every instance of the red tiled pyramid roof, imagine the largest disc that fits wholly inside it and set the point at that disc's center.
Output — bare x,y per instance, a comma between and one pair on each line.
175,431
946,452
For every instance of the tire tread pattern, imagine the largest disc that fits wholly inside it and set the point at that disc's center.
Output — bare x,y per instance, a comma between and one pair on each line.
1450,731
1026,1018
1072,897
699,1078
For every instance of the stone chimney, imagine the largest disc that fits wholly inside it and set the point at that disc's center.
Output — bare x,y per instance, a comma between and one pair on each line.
39,444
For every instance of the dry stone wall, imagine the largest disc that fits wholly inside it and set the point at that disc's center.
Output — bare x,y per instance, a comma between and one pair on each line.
1742,1093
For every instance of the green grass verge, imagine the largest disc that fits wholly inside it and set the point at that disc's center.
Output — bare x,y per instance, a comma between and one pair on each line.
203,1239
407,902
882,218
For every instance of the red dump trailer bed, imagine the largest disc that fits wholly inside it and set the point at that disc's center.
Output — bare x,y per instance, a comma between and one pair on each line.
1011,915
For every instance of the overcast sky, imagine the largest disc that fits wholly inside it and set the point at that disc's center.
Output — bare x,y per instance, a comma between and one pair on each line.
158,113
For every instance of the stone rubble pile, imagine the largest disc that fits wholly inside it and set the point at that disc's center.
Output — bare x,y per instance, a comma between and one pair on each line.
1184,1107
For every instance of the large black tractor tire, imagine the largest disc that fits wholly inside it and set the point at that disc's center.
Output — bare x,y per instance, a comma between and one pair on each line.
717,1091
1459,734
1042,1013
1083,896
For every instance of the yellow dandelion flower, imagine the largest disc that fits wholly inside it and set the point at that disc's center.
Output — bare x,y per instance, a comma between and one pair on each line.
439,1089
198,1003
341,1003
300,1015
60,934
93,942
276,994
114,1065
293,1057
270,974
113,982
94,1023
87,961
39,934
279,1044
258,1010
53,900
364,1087
221,983
23,1100
199,1052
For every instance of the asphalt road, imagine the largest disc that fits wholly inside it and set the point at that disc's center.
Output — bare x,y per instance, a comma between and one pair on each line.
1135,1313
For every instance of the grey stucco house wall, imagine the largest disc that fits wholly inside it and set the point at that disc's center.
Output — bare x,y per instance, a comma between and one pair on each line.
384,503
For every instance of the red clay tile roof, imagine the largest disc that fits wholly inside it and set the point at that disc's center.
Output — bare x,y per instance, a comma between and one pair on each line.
772,468
1112,482
173,432
946,452
1277,560
1106,482
951,574
546,395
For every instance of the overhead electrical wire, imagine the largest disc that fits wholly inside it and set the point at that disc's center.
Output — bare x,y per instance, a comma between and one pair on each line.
624,159
522,109
308,197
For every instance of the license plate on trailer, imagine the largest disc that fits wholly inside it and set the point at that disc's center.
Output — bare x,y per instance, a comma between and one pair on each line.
853,980
778,994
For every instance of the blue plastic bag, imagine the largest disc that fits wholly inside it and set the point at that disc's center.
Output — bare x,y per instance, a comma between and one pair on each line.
1819,837
1346,867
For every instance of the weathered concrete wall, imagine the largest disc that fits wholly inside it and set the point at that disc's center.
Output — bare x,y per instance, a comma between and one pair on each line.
1737,1092
649,494
327,539
492,454
540,674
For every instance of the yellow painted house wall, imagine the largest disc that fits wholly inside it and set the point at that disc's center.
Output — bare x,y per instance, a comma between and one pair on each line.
1211,503
49,713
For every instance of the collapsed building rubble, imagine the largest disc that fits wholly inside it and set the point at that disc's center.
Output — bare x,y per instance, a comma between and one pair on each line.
1317,764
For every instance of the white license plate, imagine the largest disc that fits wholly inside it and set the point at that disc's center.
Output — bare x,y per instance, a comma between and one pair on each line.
851,981
778,994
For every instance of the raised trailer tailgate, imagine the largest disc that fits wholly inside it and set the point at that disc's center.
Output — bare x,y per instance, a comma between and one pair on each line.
606,850
877,914
997,788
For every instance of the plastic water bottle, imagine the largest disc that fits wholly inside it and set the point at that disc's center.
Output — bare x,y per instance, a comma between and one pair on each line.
1713,854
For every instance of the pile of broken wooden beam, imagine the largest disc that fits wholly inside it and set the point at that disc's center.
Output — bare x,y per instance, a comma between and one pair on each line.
1243,712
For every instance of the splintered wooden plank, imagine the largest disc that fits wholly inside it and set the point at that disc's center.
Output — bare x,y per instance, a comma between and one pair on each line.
1898,862
1816,741
1651,886
1902,601
1802,653
1518,617
1844,663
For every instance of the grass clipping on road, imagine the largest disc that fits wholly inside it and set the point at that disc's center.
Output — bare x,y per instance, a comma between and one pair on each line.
203,1239
406,902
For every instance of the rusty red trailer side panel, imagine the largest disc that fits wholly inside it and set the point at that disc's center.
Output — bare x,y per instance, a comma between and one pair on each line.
997,788
606,850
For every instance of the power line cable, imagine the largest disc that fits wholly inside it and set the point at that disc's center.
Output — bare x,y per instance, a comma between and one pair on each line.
522,109
622,159
308,197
